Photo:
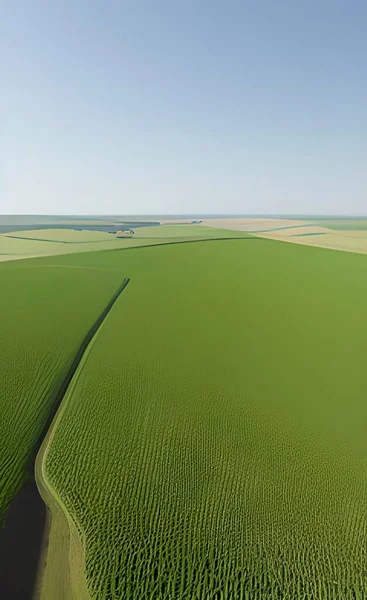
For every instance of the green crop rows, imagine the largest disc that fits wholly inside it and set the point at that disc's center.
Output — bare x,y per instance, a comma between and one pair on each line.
213,444
45,311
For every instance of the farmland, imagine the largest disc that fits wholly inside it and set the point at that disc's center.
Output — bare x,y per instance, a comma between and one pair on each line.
221,406
45,313
185,231
347,234
35,243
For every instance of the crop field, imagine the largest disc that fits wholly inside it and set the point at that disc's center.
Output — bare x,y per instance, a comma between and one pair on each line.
212,442
45,313
346,234
61,235
52,242
343,223
347,241
185,231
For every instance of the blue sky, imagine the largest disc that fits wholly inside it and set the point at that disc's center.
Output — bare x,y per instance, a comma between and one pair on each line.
143,107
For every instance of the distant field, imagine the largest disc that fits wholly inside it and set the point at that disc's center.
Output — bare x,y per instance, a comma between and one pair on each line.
22,246
62,235
212,443
347,241
44,314
184,231
43,242
340,223
349,235
251,223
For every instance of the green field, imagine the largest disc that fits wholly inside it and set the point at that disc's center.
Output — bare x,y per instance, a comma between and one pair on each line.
357,223
45,312
212,442
52,242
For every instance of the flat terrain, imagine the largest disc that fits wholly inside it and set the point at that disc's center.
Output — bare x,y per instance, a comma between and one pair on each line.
339,223
184,231
51,242
44,314
251,223
347,234
347,241
212,443
61,235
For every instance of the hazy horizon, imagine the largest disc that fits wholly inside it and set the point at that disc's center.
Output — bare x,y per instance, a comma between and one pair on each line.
194,108
188,215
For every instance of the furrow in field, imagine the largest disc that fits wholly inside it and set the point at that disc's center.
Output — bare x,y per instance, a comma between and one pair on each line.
44,315
221,444
70,542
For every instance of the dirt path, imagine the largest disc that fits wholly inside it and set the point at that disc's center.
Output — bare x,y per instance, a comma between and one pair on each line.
61,567
27,554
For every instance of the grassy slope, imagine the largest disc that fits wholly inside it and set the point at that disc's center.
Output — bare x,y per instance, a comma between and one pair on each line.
44,314
223,440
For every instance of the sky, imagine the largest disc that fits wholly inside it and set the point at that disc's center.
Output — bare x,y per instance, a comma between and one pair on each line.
190,106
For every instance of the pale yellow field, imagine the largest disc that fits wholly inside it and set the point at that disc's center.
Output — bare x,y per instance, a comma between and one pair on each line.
251,224
355,233
298,231
334,241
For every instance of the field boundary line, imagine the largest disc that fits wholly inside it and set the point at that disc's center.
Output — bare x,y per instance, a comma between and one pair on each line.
44,486
167,243
18,237
173,243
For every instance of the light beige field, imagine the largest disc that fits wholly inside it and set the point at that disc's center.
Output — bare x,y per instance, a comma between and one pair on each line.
251,224
355,233
334,241
297,232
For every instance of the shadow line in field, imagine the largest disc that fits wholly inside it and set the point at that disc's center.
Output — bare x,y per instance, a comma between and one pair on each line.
18,237
22,535
173,243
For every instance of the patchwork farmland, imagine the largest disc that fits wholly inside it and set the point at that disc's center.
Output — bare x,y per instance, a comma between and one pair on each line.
211,443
